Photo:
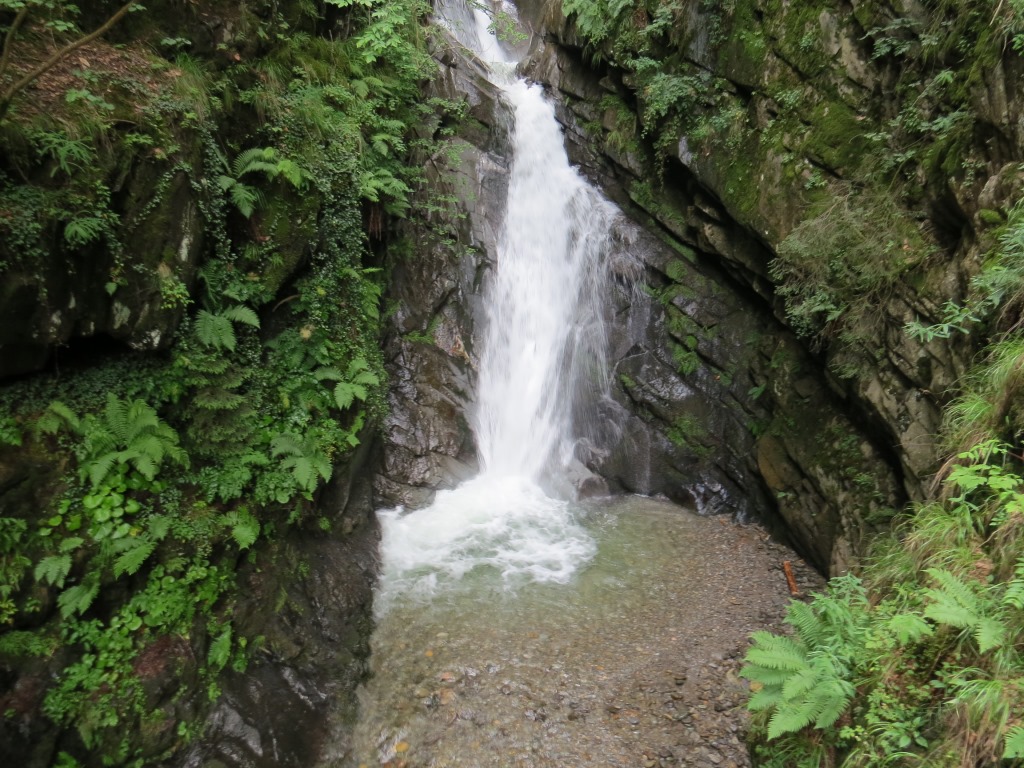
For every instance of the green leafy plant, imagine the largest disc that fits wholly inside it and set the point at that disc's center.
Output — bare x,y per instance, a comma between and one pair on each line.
215,329
805,680
265,160
352,384
128,433
304,459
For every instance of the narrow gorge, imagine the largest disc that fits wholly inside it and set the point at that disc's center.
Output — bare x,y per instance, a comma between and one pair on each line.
458,383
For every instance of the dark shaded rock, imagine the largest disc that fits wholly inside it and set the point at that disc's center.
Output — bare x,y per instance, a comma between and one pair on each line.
431,344
295,701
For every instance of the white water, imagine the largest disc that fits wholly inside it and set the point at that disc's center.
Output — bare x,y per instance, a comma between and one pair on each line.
542,352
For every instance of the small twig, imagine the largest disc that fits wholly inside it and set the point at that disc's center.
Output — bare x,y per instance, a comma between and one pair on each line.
790,579
284,301
10,93
9,40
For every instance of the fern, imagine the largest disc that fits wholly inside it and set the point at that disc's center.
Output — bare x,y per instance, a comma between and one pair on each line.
1014,595
307,463
77,599
57,416
909,627
245,198
328,373
242,314
245,528
82,231
595,20
803,680
130,433
25,644
10,434
956,604
357,378
1014,748
132,558
220,650
215,331
265,160
53,569
217,399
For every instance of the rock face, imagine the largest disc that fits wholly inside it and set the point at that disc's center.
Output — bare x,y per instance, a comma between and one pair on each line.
431,343
726,402
312,610
85,294
715,402
305,599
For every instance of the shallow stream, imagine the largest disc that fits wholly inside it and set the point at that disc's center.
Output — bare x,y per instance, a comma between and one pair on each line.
631,662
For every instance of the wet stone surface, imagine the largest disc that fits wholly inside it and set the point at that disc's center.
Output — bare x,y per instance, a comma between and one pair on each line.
632,663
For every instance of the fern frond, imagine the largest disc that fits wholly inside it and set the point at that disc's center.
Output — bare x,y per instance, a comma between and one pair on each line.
143,463
1014,595
140,417
98,439
53,569
799,683
158,527
303,471
220,650
116,416
1014,748
789,720
77,599
766,698
366,377
805,621
328,373
293,173
239,313
215,330
245,198
989,633
283,444
345,393
58,415
909,627
217,399
254,159
97,469
776,652
953,602
245,528
769,678
132,559
832,709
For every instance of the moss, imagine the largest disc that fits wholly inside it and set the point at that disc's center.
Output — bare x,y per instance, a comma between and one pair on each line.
677,270
836,136
687,361
739,189
743,53
991,218
689,433
287,229
682,326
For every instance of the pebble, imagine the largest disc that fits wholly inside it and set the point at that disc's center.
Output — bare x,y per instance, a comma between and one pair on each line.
651,681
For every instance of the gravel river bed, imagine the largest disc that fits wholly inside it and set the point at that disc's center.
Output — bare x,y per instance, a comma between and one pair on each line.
632,662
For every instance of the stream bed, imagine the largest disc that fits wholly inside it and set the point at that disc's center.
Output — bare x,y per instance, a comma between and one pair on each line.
631,662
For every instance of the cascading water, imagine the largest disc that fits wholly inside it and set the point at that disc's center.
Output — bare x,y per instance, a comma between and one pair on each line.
548,674
543,350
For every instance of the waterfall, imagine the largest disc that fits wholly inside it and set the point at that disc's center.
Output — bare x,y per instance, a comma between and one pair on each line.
542,354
